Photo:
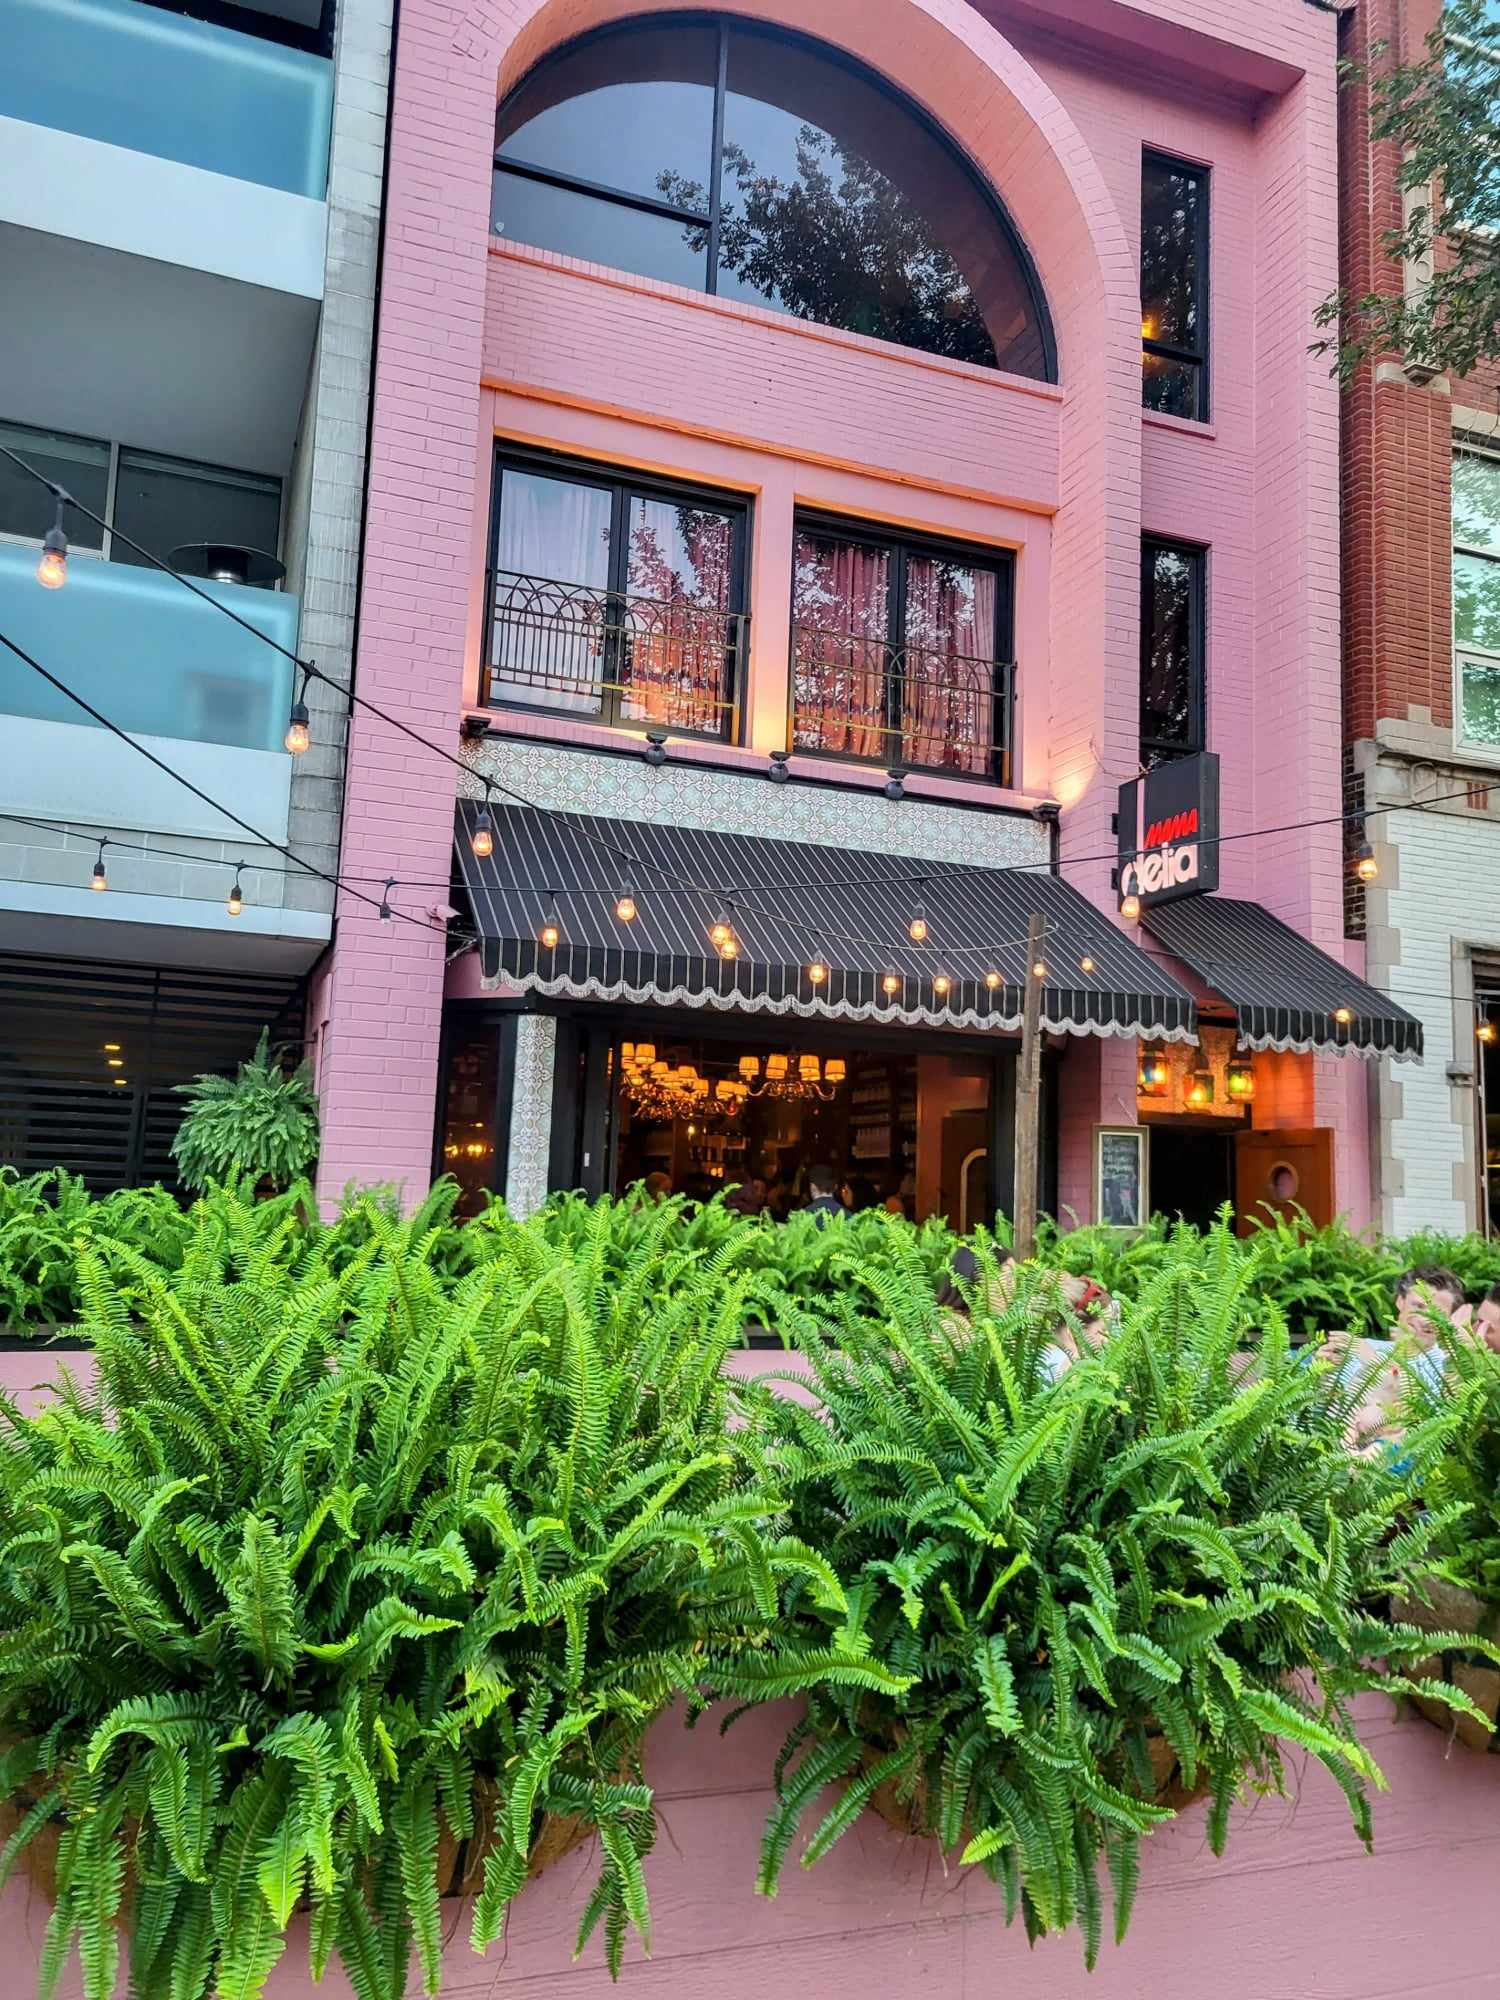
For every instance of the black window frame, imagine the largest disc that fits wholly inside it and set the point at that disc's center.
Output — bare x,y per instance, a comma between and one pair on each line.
1158,750
709,218
1195,357
622,484
899,547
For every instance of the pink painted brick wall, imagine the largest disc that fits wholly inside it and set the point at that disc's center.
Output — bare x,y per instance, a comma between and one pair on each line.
1054,104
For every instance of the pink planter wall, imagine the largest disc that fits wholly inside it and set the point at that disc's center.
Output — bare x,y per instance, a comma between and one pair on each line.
1296,1910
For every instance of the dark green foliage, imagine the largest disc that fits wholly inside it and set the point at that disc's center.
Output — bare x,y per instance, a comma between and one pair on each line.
1466,1473
261,1123
341,1547
1170,1538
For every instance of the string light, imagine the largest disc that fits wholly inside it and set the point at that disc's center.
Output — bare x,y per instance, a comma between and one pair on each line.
1130,909
941,983
1039,969
550,934
721,933
730,948
384,912
298,726
99,880
817,971
890,985
917,928
236,901
625,908
1343,1015
992,980
52,570
482,838
1366,867
1085,964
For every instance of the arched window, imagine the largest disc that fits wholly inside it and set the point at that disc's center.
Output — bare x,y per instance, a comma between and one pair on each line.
766,167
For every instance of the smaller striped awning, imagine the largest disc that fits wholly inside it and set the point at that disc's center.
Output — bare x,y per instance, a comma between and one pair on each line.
1286,993
792,903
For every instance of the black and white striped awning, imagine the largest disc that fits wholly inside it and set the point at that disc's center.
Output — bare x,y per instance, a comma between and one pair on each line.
1286,993
791,902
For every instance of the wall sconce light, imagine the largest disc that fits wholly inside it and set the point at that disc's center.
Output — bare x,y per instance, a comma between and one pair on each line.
1200,1089
1152,1077
1239,1080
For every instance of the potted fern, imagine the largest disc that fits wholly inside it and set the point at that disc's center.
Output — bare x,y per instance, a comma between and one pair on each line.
261,1123
1106,1591
353,1582
1461,1589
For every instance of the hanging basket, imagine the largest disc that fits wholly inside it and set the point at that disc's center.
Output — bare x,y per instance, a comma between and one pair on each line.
1450,1609
908,1812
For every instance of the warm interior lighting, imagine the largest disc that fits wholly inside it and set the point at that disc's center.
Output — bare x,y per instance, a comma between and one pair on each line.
645,1052
750,1067
121,1081
111,1048
835,1070
1486,1031
1148,327
116,1062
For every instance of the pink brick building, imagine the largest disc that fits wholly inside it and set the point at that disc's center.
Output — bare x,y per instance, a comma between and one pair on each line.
820,454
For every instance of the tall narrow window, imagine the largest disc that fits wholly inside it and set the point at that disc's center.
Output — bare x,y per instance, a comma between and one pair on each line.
1174,287
613,598
1476,595
1172,645
900,652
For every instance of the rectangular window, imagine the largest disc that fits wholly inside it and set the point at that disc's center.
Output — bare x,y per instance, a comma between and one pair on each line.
1172,648
1174,287
1476,595
901,652
162,503
619,599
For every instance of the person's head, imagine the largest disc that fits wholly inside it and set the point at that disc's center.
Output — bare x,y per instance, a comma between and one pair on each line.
1421,1292
964,1271
658,1186
822,1182
1487,1319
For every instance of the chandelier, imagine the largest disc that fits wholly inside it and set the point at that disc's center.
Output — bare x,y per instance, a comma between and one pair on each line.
659,1089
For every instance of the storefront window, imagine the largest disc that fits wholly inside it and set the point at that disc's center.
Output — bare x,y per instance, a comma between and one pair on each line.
1488,1020
908,1133
469,1112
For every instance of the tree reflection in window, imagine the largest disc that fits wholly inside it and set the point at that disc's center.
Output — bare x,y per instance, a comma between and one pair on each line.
829,199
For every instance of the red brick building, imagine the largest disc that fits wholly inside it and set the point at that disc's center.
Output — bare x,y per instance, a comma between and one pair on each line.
1421,637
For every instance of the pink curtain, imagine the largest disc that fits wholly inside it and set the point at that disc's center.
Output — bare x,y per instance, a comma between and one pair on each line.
679,581
839,612
947,710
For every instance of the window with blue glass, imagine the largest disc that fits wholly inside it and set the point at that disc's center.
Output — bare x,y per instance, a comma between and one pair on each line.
762,166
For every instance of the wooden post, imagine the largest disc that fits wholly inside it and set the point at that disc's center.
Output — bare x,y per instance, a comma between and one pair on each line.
1029,1093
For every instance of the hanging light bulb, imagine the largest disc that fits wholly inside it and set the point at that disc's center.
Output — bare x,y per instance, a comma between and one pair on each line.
941,983
1130,908
730,948
817,971
482,839
1039,969
890,985
992,980
1085,964
298,731
52,570
550,934
917,928
384,912
1343,1015
236,901
98,880
625,908
1486,1031
1366,867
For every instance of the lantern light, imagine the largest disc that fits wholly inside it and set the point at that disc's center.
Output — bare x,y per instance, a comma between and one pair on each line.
1200,1088
1239,1080
1152,1074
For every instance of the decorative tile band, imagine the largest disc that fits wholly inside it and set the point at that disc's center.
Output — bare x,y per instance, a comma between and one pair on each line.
531,1114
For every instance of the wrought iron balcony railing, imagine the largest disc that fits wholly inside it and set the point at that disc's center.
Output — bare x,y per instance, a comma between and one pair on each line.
573,650
854,696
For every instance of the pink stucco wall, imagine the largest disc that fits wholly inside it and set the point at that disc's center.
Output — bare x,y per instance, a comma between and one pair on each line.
1296,1910
1054,103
